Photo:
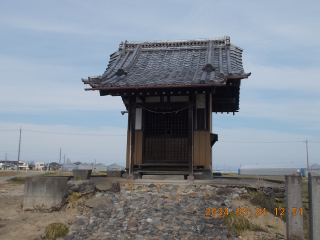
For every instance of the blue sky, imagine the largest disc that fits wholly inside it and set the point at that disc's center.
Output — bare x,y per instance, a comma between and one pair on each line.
46,47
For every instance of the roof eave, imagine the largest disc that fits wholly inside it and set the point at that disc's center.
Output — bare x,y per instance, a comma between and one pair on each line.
157,86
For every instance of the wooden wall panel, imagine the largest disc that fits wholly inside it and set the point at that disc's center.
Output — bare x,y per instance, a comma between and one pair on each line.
202,149
138,147
202,152
196,148
208,151
128,150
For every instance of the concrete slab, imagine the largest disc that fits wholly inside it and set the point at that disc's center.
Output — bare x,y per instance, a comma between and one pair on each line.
203,176
163,177
102,183
82,174
44,193
114,173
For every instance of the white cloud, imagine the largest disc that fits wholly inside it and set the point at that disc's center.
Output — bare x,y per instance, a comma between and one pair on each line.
287,94
304,79
291,111
32,87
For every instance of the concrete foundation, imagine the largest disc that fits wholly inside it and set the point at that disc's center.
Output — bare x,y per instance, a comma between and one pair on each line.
294,206
203,176
44,193
101,183
114,173
82,174
314,205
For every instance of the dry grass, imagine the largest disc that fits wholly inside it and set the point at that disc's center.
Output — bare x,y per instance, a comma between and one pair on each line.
74,197
238,223
17,180
260,199
281,178
8,173
62,174
57,173
56,230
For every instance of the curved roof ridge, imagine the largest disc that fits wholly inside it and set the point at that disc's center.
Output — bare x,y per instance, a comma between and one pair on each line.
179,40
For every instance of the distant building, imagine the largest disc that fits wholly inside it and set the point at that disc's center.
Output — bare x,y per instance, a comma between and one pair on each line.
99,167
272,170
9,165
23,165
13,165
39,166
54,166
315,168
68,167
114,167
85,166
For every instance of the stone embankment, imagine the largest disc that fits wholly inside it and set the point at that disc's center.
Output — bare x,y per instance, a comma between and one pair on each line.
155,212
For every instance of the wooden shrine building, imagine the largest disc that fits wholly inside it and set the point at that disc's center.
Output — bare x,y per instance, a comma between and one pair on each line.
170,90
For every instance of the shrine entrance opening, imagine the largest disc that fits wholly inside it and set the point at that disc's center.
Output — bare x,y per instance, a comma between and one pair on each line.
166,137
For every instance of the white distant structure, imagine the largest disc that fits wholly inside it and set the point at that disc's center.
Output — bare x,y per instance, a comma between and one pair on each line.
1,166
315,168
273,170
114,167
99,167
23,165
39,166
68,167
85,166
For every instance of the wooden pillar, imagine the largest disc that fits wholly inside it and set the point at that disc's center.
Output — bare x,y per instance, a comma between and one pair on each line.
190,142
132,142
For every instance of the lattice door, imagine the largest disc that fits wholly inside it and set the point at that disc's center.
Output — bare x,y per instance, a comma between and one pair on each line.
166,136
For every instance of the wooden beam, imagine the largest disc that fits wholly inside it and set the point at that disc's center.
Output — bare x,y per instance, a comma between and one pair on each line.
132,142
158,86
142,99
163,104
190,142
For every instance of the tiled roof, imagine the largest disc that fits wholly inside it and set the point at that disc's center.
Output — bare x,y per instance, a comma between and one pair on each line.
182,62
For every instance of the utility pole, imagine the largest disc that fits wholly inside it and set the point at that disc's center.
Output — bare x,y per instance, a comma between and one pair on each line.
60,157
307,155
5,164
19,152
64,159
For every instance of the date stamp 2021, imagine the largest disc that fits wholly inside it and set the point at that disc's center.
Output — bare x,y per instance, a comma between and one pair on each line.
258,211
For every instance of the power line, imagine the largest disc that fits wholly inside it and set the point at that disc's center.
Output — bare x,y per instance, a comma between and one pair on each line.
73,133
260,142
87,134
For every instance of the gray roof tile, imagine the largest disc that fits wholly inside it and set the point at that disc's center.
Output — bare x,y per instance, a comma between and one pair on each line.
178,62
